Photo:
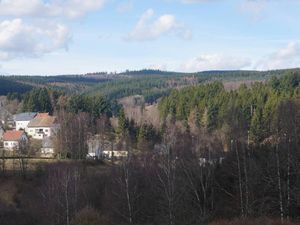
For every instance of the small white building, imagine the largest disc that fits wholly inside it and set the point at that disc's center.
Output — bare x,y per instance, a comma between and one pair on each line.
100,148
13,140
42,126
22,120
115,154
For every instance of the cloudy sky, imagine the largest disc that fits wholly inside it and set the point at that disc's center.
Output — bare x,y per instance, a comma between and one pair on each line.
80,36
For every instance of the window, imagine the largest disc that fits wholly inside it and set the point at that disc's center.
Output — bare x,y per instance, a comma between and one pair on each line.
6,144
46,130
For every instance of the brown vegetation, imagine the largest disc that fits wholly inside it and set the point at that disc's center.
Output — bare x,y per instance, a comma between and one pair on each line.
248,221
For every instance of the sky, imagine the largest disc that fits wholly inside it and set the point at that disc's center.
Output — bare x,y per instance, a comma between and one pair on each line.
50,37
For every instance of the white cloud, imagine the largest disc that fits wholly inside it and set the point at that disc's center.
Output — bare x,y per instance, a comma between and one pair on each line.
18,39
43,32
53,8
148,29
287,57
215,62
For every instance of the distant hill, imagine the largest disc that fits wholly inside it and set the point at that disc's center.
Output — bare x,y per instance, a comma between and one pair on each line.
8,85
152,84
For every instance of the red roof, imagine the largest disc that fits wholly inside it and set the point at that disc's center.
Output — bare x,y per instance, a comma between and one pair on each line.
42,115
12,135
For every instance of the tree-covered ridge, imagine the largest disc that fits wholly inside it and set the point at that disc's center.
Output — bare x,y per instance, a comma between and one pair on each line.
151,88
210,106
8,85
153,84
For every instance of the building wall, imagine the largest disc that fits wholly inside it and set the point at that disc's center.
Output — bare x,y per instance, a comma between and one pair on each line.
11,145
40,132
117,154
22,125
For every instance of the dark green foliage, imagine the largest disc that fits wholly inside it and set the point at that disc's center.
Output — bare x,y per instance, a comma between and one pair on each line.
123,124
151,88
256,104
8,85
38,100
95,105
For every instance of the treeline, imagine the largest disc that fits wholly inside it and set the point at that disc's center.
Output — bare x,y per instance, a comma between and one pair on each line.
240,75
44,80
48,100
152,87
208,106
132,86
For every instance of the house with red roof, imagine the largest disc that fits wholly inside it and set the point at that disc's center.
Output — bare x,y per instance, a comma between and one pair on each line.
14,139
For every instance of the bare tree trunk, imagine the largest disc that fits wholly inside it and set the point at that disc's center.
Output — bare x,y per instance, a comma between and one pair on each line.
288,181
66,190
167,183
246,182
128,197
240,179
279,183
3,161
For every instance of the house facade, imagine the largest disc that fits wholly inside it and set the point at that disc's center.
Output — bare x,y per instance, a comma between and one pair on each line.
23,119
13,140
42,126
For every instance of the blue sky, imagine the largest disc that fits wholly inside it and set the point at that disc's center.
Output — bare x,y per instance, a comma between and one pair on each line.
76,36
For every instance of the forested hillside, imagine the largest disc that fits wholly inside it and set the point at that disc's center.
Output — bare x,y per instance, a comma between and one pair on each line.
218,155
210,106
8,85
152,84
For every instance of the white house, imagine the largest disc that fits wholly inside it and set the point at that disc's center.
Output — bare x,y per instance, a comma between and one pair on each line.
22,120
43,125
14,139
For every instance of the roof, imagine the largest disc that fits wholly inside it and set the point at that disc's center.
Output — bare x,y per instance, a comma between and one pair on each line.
42,115
13,135
27,116
42,121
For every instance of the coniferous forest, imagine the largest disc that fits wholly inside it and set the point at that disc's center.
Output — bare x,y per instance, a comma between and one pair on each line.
217,156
